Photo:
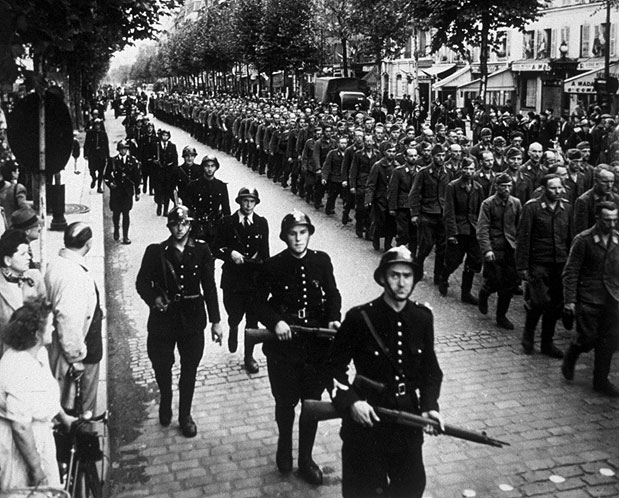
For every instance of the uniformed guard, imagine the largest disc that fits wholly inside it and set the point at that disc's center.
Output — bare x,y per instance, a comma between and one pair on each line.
303,292
242,242
391,341
122,176
207,198
175,280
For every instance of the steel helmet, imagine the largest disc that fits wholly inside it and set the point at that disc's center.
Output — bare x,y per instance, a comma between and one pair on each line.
210,159
178,214
399,254
189,150
292,219
250,192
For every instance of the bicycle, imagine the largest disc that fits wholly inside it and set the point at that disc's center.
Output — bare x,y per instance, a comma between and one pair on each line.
78,452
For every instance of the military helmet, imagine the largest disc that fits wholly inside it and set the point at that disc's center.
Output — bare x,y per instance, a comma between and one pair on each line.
189,150
179,214
250,192
210,159
292,219
399,254
122,144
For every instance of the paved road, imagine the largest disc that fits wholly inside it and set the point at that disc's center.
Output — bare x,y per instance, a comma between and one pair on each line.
564,438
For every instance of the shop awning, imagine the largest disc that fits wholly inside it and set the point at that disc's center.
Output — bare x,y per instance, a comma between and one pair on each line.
583,83
531,65
460,77
436,71
502,80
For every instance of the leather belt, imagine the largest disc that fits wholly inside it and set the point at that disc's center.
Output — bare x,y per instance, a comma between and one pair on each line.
179,297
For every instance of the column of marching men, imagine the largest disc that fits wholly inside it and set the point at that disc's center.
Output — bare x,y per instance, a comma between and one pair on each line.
517,212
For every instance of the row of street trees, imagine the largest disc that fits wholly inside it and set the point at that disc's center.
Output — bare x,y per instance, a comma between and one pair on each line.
294,37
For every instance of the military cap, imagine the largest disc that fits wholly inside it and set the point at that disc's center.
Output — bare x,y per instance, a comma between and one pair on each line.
395,255
583,145
437,149
122,144
503,178
573,154
293,219
499,141
189,150
513,152
179,214
517,134
247,192
485,132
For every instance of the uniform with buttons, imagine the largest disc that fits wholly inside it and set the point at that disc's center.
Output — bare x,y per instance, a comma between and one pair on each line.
409,368
209,202
187,281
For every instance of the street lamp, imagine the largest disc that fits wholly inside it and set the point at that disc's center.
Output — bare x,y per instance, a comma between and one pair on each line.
563,49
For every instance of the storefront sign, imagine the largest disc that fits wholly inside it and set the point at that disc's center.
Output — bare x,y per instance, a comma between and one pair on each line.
531,66
589,65
581,85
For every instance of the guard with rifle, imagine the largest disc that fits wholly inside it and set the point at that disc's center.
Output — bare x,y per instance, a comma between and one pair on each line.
303,293
122,176
391,341
207,198
175,280
242,242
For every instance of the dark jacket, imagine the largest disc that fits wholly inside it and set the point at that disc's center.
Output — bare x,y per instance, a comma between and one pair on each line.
584,209
186,280
332,167
427,196
462,208
123,180
377,183
592,269
400,186
252,242
544,235
361,166
408,335
497,224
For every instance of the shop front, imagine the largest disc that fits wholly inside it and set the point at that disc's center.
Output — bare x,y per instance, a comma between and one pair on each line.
500,90
581,88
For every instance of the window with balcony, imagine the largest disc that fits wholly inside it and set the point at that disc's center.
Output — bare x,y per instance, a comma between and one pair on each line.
528,45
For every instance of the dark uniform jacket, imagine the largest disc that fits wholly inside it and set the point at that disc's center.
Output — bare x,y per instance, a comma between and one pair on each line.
592,269
185,280
462,208
409,338
208,201
360,170
534,174
497,224
332,167
303,292
123,180
427,196
400,186
96,146
544,235
377,183
252,242
584,209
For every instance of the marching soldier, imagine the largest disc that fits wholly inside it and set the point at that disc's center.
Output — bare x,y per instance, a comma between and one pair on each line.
391,341
591,294
175,280
303,292
242,242
207,198
188,171
165,172
122,176
96,152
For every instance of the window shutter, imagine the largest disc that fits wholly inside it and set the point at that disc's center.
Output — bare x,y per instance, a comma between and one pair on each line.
584,40
613,39
553,43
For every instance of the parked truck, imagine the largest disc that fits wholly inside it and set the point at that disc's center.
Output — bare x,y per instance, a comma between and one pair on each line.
348,93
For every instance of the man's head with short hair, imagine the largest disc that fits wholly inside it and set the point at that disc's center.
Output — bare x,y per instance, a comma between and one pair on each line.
77,235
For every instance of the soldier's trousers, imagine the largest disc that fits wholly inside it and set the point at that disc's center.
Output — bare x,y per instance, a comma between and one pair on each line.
406,232
455,253
160,349
544,298
431,233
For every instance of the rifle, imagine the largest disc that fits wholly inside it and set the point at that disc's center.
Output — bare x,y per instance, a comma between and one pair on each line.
324,410
255,336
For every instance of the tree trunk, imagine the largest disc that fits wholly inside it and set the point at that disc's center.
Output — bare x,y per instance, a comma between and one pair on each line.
344,58
483,57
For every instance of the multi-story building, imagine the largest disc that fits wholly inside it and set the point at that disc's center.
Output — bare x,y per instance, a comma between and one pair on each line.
553,63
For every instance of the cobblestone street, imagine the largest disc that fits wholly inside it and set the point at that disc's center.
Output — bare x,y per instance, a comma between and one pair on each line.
564,438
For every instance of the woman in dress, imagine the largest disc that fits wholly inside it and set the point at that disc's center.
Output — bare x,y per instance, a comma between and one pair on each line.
29,401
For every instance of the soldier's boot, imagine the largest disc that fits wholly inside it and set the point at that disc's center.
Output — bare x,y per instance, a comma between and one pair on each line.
466,286
569,361
284,416
548,331
502,305
601,369
483,301
388,242
233,340
528,334
417,272
164,382
443,284
308,469
251,365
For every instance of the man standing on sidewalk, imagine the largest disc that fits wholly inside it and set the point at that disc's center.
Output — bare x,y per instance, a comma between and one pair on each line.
175,280
76,343
591,294
242,242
